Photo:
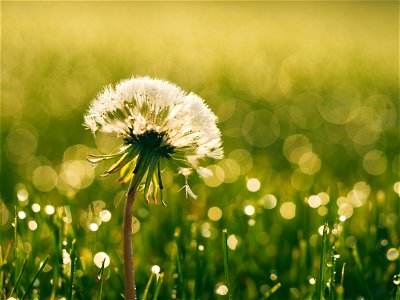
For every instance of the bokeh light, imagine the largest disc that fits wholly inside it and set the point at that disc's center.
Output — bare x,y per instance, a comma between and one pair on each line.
392,254
288,210
375,162
307,102
232,242
214,213
268,201
99,257
249,210
222,290
253,184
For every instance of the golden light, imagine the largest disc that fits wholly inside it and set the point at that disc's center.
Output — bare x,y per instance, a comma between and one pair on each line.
214,213
288,210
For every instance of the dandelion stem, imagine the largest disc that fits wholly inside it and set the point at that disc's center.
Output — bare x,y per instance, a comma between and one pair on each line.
129,272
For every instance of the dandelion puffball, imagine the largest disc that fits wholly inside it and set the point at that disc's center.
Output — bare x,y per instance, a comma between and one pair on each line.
156,120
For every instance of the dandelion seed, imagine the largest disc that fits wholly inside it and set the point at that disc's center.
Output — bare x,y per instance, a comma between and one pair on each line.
155,269
156,121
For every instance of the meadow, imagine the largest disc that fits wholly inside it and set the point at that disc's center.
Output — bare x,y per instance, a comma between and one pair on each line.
307,96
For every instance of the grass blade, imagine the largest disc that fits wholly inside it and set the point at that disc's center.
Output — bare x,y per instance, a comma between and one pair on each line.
340,288
322,263
1,269
34,278
146,290
226,268
158,286
100,276
179,262
72,274
332,282
15,243
15,288
272,290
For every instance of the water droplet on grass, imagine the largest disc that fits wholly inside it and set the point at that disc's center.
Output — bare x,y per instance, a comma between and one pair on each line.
392,254
396,279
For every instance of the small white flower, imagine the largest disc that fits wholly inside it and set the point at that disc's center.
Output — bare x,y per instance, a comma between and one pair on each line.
156,120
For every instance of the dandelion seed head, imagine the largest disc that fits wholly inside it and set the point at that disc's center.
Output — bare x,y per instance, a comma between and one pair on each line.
144,104
156,269
156,120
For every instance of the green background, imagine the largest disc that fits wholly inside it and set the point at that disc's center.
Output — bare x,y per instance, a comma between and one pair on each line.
307,99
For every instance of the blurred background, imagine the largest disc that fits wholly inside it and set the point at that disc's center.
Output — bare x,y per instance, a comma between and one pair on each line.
307,99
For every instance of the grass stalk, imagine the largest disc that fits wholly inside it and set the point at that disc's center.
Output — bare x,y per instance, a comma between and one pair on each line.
72,273
100,276
340,288
158,286
360,271
15,288
226,265
332,282
28,290
177,235
322,263
15,242
1,269
146,290
272,290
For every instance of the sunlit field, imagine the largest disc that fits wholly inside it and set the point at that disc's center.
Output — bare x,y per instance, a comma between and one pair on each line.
307,96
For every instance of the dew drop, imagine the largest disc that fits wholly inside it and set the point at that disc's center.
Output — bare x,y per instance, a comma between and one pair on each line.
336,255
392,254
222,290
396,279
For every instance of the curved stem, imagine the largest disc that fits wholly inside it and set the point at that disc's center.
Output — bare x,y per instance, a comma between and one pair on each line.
129,272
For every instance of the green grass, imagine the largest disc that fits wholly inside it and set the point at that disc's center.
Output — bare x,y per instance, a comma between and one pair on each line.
317,79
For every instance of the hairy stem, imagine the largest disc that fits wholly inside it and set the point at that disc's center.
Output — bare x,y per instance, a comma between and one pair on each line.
129,278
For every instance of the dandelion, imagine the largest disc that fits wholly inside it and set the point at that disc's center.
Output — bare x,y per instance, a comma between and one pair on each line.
156,121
